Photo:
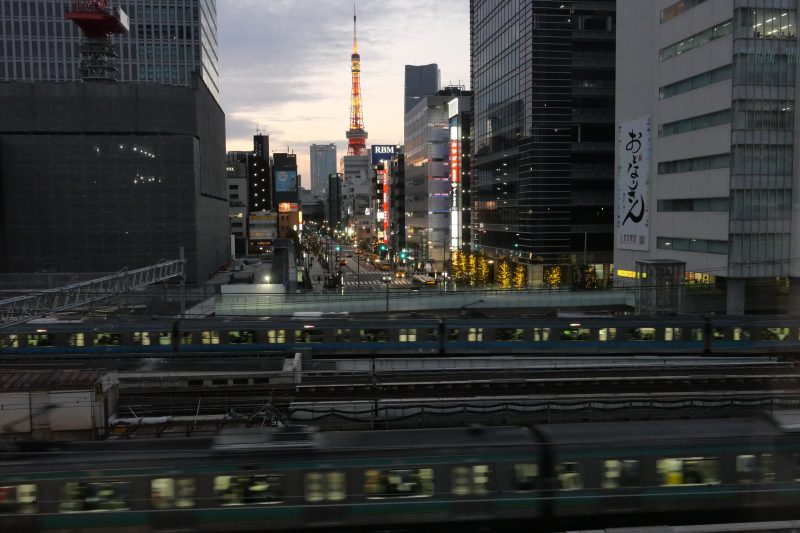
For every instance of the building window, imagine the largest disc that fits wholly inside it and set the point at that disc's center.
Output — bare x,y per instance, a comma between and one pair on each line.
695,82
708,120
681,6
692,245
696,40
695,164
766,23
693,204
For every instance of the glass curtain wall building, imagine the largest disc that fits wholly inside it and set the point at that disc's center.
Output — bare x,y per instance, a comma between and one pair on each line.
169,41
543,78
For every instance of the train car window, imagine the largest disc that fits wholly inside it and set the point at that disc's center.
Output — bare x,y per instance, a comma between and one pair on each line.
141,338
76,339
755,468
641,334
166,493
325,486
509,334
607,334
373,335
525,476
407,335
470,480
697,334
398,483
741,334
242,336
77,496
431,335
307,335
718,334
624,473
210,337
541,334
774,334
165,338
689,471
575,334
796,466
276,336
673,334
569,476
248,490
452,334
43,340
342,335
107,339
475,335
18,499
186,337
9,341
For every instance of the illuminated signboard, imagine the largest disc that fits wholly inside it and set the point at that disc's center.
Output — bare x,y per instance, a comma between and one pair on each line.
385,205
286,207
285,181
455,161
383,152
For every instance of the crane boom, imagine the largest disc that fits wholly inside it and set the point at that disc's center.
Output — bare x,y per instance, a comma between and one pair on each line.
98,21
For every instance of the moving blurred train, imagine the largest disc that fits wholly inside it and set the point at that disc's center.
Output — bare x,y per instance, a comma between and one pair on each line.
451,336
542,478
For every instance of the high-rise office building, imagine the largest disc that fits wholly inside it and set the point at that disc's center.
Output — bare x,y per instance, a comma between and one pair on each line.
169,41
259,176
323,164
420,81
543,78
706,152
428,191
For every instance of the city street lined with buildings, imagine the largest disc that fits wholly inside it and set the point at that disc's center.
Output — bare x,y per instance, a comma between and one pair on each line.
538,260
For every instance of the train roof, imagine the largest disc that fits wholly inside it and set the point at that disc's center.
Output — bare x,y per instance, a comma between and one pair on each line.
658,431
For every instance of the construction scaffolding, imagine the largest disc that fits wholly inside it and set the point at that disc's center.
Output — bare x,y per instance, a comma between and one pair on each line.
25,308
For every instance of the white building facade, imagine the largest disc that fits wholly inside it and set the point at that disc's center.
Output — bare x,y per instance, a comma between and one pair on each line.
706,164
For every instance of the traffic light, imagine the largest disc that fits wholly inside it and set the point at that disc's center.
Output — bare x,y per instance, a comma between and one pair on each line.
402,255
383,247
338,248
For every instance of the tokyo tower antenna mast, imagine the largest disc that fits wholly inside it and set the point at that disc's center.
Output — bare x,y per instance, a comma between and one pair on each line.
356,136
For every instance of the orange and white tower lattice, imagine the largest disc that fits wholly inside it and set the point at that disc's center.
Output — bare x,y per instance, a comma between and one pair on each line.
356,135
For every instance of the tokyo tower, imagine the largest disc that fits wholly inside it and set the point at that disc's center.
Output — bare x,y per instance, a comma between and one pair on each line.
356,135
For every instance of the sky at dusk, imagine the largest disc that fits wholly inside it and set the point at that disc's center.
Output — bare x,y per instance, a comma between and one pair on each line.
285,66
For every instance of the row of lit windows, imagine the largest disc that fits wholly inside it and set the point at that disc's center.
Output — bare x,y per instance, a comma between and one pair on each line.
695,82
385,483
472,334
708,120
696,40
693,245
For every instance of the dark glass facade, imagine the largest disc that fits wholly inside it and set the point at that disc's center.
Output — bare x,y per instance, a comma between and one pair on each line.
259,180
420,81
81,193
543,168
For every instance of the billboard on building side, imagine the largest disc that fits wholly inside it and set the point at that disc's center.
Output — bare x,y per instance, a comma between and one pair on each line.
633,185
285,181
382,152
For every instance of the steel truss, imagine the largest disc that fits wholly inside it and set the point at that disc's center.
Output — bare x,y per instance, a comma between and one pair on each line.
25,308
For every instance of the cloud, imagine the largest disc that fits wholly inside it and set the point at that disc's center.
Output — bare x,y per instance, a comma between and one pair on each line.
285,65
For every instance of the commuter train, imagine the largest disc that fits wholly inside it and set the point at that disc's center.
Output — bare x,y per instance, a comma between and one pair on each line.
541,478
451,336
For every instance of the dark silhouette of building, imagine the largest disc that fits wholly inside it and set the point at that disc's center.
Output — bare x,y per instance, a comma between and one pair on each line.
420,81
542,187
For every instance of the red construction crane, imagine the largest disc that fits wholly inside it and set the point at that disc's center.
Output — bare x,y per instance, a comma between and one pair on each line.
99,22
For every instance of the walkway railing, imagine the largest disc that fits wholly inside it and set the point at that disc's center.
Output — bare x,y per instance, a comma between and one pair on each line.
25,308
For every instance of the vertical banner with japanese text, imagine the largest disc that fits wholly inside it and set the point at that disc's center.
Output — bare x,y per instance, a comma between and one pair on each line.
633,185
